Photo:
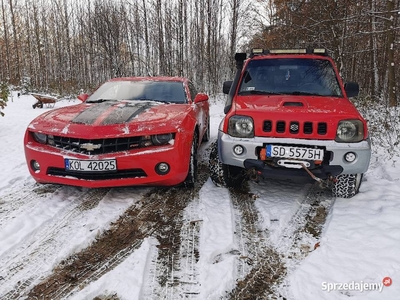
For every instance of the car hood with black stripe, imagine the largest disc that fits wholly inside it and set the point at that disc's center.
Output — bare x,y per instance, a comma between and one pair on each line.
112,118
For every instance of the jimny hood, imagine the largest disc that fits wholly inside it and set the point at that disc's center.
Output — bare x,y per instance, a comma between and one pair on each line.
330,110
112,118
296,105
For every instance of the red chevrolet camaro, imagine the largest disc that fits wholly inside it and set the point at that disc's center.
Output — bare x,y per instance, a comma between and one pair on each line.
130,131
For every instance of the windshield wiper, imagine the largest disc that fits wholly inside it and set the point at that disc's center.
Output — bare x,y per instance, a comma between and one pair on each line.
100,100
258,93
304,93
150,100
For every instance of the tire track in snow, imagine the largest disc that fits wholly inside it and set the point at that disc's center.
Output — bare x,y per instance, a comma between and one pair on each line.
254,249
155,215
174,274
18,199
271,261
301,238
23,265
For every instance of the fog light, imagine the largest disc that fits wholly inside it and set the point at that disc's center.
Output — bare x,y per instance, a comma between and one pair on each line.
35,166
350,156
162,168
238,150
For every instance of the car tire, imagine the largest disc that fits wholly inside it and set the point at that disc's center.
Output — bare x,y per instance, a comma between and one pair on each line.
192,173
215,166
206,136
222,174
347,185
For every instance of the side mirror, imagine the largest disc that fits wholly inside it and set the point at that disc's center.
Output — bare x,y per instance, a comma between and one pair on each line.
352,89
83,97
200,97
227,86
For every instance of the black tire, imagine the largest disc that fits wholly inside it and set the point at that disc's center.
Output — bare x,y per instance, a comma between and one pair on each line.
206,136
215,166
347,185
222,174
192,173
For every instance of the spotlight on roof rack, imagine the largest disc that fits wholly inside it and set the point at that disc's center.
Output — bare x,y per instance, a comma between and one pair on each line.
257,51
319,51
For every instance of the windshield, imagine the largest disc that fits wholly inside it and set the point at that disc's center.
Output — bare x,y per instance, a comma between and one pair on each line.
293,76
161,91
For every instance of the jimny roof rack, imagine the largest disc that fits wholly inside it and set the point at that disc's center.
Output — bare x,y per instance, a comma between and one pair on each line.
259,51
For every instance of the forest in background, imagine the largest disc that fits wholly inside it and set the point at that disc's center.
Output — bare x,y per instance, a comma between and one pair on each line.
63,46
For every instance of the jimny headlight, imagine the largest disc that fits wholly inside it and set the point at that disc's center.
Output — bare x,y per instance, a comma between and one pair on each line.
40,137
350,131
241,126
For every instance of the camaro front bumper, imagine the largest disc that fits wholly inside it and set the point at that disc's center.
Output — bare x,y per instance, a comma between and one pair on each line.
134,168
334,164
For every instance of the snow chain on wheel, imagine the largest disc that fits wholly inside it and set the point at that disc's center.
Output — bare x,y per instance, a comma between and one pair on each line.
347,185
215,166
224,175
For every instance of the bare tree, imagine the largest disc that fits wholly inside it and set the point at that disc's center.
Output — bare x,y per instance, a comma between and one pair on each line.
64,45
390,48
361,38
6,51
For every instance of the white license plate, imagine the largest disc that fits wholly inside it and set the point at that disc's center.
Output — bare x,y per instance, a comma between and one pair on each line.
294,152
90,165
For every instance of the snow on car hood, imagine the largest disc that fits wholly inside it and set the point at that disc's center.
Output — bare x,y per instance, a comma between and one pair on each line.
112,118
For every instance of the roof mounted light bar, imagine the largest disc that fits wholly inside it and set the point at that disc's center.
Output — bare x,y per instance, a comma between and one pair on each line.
288,51
259,51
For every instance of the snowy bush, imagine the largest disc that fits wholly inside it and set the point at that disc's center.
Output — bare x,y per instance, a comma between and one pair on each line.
383,124
4,93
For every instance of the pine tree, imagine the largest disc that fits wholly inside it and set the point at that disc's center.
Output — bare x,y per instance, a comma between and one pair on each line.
4,93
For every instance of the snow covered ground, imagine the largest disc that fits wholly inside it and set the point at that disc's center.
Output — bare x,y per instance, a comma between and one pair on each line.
357,255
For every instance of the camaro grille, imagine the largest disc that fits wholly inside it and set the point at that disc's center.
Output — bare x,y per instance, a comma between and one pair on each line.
295,127
99,146
133,173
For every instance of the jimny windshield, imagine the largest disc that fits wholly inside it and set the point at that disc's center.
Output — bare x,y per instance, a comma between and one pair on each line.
292,76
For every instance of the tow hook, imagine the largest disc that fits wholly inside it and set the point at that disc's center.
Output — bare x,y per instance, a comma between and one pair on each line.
332,179
253,174
324,183
311,174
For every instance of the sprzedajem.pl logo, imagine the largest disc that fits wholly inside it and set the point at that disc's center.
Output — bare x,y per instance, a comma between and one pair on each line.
360,286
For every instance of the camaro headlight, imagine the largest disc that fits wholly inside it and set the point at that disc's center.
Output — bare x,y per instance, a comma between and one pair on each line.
40,137
350,131
161,139
241,126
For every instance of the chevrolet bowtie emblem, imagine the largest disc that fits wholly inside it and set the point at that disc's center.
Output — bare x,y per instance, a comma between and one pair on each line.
90,147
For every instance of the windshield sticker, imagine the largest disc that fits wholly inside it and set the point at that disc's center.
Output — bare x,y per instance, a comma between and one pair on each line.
287,76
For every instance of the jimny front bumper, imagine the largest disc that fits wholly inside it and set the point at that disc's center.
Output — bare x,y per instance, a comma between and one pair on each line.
339,158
